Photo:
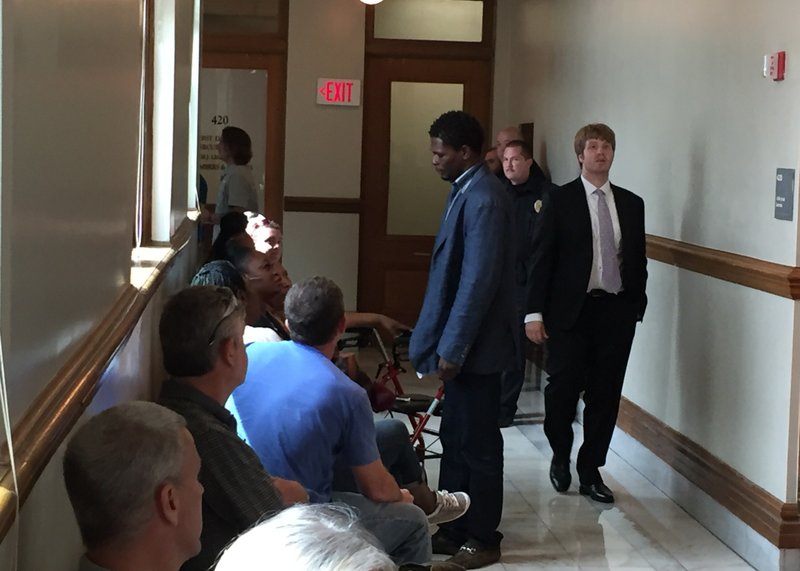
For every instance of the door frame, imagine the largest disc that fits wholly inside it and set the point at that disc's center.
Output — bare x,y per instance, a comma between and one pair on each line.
275,66
378,251
408,60
267,52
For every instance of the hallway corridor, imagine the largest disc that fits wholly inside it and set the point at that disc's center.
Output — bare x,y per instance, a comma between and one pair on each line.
643,530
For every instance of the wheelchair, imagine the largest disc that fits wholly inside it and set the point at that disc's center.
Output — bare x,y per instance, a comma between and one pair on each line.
418,408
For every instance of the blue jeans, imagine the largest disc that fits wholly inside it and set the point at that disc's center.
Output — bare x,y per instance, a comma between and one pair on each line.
400,528
397,454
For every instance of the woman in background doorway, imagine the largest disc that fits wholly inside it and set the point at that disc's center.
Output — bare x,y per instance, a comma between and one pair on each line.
237,188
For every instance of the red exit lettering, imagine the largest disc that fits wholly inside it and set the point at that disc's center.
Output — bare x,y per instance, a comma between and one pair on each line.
337,91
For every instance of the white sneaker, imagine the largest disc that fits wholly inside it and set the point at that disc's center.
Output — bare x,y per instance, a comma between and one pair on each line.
449,506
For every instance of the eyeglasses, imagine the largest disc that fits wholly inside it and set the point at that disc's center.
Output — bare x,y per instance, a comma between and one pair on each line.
232,305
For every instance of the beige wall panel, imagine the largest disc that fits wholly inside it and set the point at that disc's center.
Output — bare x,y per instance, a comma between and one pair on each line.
713,360
71,75
323,143
699,131
317,244
49,539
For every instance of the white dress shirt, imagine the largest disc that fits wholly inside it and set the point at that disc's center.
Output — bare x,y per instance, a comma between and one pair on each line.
597,261
462,189
594,277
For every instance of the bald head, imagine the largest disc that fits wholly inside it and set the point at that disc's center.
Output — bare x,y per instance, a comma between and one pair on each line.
505,136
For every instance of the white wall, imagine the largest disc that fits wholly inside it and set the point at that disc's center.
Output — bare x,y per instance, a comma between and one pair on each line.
323,244
71,75
323,143
184,54
70,120
699,136
49,539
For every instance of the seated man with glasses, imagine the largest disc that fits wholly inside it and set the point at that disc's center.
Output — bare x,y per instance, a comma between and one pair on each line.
201,337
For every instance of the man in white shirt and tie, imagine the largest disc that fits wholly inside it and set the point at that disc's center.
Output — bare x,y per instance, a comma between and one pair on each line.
587,293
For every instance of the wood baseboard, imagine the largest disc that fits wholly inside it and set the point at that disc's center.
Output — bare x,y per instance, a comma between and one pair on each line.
778,522
758,274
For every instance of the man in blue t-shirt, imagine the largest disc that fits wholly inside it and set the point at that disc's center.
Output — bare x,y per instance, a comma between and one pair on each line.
299,411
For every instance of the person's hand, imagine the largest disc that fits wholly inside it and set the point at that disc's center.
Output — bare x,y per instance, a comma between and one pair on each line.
390,328
407,497
292,492
447,370
536,332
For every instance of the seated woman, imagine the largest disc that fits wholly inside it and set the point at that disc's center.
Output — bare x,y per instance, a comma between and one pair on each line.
223,274
267,236
264,281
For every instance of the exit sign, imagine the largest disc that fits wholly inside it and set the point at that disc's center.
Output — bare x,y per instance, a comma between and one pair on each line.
339,92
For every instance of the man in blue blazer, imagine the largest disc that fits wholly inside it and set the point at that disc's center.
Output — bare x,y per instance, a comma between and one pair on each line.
466,334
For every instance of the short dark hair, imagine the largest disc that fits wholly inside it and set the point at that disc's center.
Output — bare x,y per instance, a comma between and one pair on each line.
221,273
238,143
231,225
238,252
314,307
457,129
192,323
523,146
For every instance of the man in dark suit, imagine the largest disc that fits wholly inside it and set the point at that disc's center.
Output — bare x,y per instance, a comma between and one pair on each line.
466,334
526,192
587,293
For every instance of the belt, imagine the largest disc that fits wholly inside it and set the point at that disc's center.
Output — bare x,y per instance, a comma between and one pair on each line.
600,293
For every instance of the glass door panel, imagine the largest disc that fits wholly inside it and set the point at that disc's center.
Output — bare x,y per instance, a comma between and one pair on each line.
237,98
416,193
438,20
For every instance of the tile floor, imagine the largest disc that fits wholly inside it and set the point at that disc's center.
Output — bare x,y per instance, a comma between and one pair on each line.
643,530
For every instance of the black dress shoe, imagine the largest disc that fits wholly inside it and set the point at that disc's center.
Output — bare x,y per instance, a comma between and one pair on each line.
474,556
560,476
442,544
599,492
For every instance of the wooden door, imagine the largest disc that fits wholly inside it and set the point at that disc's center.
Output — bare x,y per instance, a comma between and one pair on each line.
402,197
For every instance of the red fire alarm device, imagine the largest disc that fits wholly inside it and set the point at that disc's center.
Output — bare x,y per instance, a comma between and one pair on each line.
777,65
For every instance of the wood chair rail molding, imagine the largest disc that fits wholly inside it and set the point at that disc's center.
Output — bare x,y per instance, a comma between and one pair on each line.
758,274
52,415
778,522
322,204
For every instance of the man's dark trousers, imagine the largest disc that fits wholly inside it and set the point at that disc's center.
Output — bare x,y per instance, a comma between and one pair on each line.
513,379
473,455
591,356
